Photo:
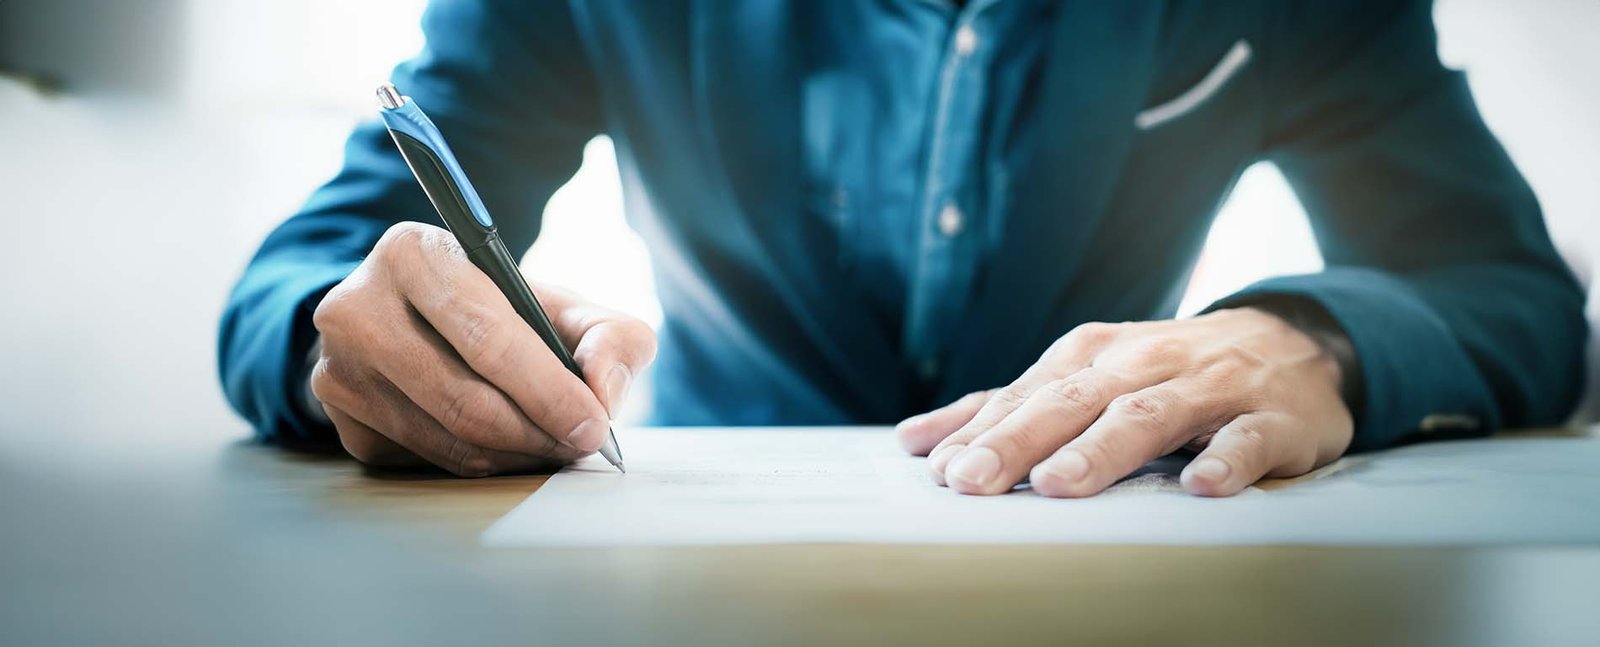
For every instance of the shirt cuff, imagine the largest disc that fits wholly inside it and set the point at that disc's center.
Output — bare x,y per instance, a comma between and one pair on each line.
1415,377
309,405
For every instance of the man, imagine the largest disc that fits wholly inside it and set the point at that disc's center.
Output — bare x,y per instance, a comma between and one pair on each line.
863,210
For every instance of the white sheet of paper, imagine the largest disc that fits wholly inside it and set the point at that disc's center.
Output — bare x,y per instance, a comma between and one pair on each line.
804,485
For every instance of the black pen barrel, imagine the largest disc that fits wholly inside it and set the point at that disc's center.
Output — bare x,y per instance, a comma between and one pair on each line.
483,245
497,263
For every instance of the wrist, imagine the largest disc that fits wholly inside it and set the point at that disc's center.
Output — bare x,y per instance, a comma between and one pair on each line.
1314,321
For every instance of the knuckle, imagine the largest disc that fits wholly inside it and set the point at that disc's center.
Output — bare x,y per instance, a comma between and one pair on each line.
1250,437
321,380
467,461
475,467
549,447
1146,410
368,448
328,384
1094,333
1020,439
350,312
401,240
476,329
1161,351
484,345
334,310
408,245
469,412
1075,395
1009,397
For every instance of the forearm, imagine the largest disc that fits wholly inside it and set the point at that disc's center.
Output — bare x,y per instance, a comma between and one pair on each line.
482,61
266,326
1440,272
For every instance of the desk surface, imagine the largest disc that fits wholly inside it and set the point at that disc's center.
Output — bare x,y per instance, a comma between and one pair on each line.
238,543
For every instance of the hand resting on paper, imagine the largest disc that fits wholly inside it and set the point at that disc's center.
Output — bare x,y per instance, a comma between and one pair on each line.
1257,396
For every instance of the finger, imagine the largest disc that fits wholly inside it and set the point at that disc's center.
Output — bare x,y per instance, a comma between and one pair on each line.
1053,415
366,445
1244,451
1134,429
371,401
423,366
469,312
1069,354
557,301
411,428
919,434
612,348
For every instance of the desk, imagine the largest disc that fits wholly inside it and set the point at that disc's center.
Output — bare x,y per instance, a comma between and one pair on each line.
230,542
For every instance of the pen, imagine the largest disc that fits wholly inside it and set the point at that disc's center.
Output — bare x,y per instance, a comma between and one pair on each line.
463,212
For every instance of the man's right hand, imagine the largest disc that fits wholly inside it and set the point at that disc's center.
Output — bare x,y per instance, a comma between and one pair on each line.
424,359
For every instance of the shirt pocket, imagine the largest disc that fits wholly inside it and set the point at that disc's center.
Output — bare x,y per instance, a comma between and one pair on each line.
1232,62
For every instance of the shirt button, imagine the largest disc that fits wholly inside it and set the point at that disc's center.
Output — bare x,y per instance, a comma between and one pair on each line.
950,220
928,368
966,40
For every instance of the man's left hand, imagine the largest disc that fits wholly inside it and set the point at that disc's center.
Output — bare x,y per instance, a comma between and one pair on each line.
1253,394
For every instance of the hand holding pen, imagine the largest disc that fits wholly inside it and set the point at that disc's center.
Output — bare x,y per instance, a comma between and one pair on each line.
434,349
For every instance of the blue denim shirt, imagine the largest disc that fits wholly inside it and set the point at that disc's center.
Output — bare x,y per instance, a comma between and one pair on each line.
857,211
911,108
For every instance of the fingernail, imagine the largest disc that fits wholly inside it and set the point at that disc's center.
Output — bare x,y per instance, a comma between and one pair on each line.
1210,469
588,435
977,467
617,383
1069,467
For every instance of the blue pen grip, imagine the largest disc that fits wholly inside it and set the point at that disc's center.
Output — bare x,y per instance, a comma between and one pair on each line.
436,168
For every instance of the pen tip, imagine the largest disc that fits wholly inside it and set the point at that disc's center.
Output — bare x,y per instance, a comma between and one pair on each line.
620,468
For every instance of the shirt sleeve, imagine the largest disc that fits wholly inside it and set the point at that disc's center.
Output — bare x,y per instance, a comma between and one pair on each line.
509,85
1439,267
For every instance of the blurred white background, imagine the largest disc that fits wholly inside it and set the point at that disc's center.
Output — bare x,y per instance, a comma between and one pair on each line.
133,198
